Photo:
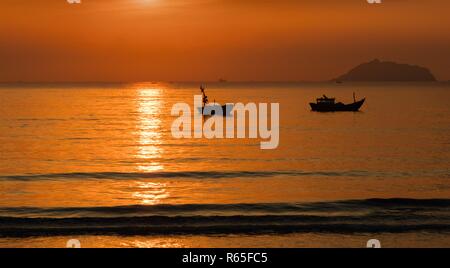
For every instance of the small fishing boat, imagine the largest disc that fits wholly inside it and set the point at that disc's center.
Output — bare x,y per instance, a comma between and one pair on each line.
326,104
208,109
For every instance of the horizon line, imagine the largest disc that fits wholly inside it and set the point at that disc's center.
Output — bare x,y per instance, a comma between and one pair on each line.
210,81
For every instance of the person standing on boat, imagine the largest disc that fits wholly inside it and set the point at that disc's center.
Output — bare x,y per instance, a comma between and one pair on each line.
205,98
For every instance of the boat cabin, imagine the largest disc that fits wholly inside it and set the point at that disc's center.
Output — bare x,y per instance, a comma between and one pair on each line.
325,100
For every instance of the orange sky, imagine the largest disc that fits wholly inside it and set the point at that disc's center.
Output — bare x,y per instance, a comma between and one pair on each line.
199,40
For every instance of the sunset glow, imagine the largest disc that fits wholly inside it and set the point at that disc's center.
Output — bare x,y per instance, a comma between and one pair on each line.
236,125
198,40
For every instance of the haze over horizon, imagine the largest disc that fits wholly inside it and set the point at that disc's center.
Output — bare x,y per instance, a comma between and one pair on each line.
204,40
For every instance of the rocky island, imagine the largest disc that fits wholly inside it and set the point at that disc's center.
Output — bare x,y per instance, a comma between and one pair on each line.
379,71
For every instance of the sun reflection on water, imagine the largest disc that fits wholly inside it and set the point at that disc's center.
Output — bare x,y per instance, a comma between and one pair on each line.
149,151
149,129
151,193
154,242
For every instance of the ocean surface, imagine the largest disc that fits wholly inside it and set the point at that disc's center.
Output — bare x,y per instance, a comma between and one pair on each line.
98,163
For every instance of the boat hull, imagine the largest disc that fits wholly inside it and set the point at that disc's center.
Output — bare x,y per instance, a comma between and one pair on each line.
210,110
337,107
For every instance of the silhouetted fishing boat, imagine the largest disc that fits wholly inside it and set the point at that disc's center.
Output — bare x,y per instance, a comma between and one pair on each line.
326,104
210,109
